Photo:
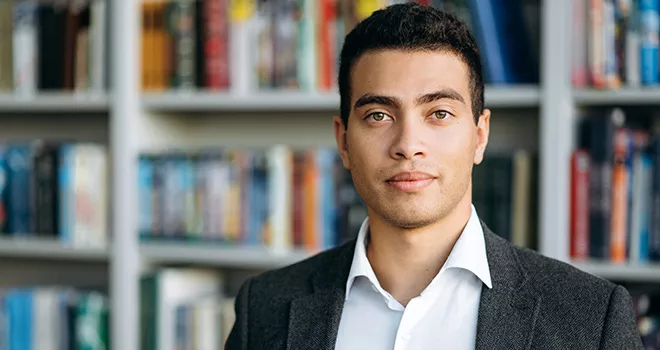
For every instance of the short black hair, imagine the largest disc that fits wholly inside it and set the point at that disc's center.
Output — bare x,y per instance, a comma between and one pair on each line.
411,27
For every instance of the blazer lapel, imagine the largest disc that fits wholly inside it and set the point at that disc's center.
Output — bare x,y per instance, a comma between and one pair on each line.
314,318
508,311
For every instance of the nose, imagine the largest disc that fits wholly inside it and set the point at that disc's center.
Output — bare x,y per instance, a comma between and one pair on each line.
407,143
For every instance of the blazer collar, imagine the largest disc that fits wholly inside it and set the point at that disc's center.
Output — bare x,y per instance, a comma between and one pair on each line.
508,311
314,318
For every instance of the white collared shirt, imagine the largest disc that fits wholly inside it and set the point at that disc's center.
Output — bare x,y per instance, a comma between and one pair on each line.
443,316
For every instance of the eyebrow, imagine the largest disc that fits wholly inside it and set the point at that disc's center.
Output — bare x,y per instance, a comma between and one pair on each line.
447,93
439,95
369,99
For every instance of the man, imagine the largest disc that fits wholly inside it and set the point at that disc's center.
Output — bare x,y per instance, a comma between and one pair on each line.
424,272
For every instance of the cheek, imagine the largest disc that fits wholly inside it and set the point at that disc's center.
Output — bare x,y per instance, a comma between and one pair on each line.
455,152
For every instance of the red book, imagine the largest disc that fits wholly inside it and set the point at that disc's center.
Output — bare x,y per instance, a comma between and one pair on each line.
216,24
326,51
579,236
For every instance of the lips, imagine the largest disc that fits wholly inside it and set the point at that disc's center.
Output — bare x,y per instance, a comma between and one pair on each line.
411,181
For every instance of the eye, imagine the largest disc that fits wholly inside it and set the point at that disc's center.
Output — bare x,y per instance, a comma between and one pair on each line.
441,115
378,116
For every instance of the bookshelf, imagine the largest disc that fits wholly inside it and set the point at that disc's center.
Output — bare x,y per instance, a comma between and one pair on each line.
495,96
139,121
619,97
219,255
54,103
49,249
627,272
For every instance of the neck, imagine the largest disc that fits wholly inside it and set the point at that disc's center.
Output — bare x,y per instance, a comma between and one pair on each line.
405,261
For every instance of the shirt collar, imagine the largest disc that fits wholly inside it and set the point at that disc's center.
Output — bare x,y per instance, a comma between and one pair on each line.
469,253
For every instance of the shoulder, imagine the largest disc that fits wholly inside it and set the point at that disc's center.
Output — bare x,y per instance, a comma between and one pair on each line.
546,270
551,276
581,300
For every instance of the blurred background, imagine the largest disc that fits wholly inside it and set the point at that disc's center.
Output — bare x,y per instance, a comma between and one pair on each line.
156,153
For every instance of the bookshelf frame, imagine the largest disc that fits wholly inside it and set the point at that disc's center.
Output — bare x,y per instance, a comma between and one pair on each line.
554,100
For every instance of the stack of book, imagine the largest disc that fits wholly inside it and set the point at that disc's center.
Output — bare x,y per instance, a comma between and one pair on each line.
53,45
615,190
615,43
54,189
283,198
249,45
184,308
286,198
53,318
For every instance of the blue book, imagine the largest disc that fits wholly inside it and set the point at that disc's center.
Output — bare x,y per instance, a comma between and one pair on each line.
19,189
645,222
66,195
648,32
18,303
146,194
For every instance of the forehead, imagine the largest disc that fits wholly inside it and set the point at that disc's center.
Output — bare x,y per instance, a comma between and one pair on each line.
407,74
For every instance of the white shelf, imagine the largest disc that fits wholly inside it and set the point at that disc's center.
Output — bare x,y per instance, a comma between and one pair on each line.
623,96
49,249
512,96
220,101
518,96
218,255
626,272
53,102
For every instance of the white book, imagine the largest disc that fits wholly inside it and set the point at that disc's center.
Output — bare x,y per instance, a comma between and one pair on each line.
280,173
307,46
206,320
45,333
632,49
520,213
90,183
25,47
180,287
242,47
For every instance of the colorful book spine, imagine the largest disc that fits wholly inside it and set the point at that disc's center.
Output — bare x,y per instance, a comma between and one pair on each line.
579,242
649,42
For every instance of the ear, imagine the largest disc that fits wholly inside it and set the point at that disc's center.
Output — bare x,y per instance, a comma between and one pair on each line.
340,137
483,130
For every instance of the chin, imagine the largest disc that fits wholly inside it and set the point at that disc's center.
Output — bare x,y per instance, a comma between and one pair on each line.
411,218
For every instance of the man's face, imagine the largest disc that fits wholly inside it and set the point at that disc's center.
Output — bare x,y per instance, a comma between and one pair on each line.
411,138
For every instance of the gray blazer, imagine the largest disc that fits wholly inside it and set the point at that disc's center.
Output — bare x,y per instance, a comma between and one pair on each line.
535,303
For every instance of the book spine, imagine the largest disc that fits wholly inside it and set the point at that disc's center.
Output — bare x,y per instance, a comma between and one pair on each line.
306,46
97,52
597,45
612,77
654,239
242,46
216,44
19,163
619,217
6,49
645,216
580,164
184,42
146,195
45,173
25,47
649,42
579,47
632,49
